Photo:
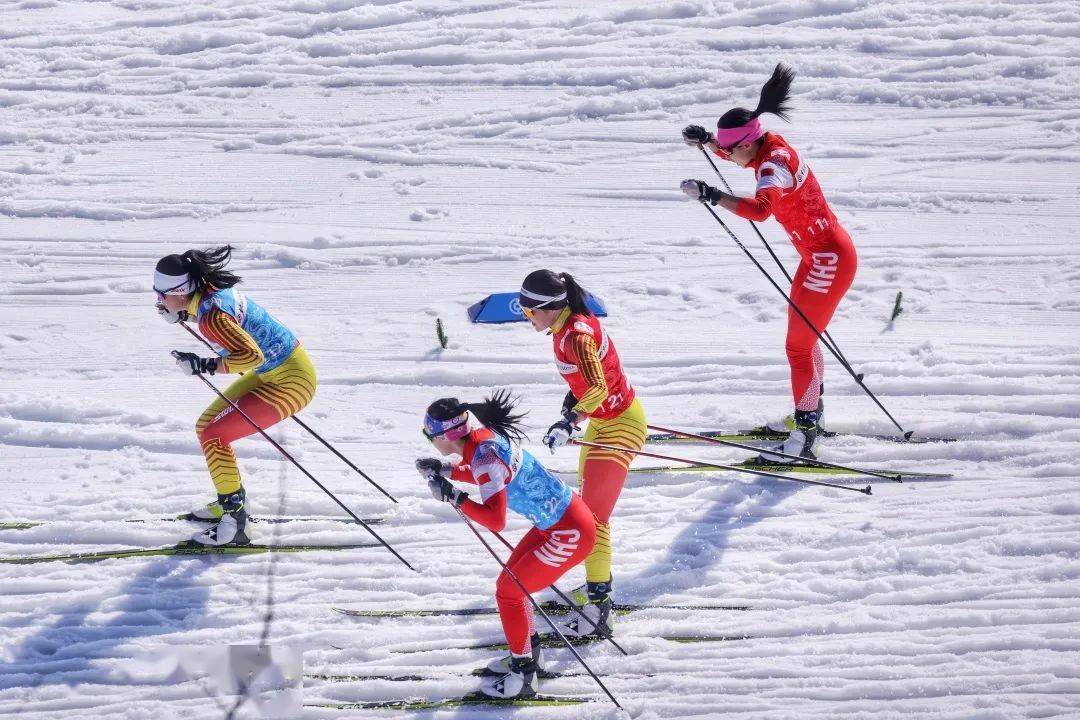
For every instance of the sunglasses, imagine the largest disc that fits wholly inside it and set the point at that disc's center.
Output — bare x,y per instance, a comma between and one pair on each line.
162,293
725,152
529,311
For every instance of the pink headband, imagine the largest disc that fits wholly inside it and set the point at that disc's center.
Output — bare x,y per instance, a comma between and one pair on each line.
733,137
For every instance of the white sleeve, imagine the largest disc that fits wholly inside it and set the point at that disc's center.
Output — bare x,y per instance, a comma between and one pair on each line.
774,175
486,461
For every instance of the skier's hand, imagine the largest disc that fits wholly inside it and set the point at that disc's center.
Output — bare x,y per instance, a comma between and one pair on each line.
441,489
169,316
696,135
559,433
430,467
699,190
192,364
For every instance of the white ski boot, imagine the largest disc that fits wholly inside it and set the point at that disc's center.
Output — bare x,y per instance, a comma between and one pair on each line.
231,529
801,442
598,609
519,681
501,666
210,512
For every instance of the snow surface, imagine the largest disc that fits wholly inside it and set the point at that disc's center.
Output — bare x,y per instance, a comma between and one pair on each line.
381,165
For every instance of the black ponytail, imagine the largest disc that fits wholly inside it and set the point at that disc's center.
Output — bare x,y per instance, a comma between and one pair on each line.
575,295
496,413
207,268
775,94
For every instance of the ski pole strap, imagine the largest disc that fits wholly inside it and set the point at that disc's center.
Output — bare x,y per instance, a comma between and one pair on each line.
732,468
806,461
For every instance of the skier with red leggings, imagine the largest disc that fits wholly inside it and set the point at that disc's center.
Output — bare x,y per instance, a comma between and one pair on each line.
486,436
788,191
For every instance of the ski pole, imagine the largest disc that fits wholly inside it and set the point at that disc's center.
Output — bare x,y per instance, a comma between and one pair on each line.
302,469
703,464
603,631
815,462
537,607
791,303
767,245
304,425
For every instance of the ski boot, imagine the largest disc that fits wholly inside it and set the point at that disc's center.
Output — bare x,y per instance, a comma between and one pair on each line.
802,441
519,681
598,609
211,512
501,666
231,528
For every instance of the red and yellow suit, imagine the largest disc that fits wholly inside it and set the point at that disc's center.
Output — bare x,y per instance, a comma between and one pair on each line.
266,397
587,360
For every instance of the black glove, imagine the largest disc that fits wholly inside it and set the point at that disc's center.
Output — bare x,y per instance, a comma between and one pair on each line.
192,364
702,191
696,135
430,467
568,403
441,489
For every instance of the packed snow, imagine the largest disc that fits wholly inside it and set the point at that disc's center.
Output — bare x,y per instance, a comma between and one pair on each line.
382,165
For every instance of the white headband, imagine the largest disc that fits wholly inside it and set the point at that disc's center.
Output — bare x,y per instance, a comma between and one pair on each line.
543,299
173,284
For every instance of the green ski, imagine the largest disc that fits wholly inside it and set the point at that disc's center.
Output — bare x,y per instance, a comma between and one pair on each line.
764,434
186,548
784,468
472,699
550,607
550,641
27,524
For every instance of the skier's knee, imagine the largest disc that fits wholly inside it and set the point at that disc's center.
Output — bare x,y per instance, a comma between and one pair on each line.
506,590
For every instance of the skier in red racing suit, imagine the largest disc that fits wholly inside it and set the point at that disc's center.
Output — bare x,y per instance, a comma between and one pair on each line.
788,191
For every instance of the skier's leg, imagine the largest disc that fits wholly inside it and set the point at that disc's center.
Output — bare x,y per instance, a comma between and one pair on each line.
266,399
603,473
819,285
541,558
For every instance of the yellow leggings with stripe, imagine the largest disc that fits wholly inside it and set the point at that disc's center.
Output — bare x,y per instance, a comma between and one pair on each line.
601,474
267,398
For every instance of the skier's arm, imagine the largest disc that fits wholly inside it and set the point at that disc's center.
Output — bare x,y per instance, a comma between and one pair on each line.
491,513
583,349
492,476
243,352
757,208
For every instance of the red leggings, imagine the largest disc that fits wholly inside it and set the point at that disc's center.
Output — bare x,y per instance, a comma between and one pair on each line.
541,558
824,275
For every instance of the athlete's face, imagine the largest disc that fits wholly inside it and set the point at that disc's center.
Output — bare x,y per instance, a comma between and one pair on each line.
540,318
448,447
741,155
174,303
